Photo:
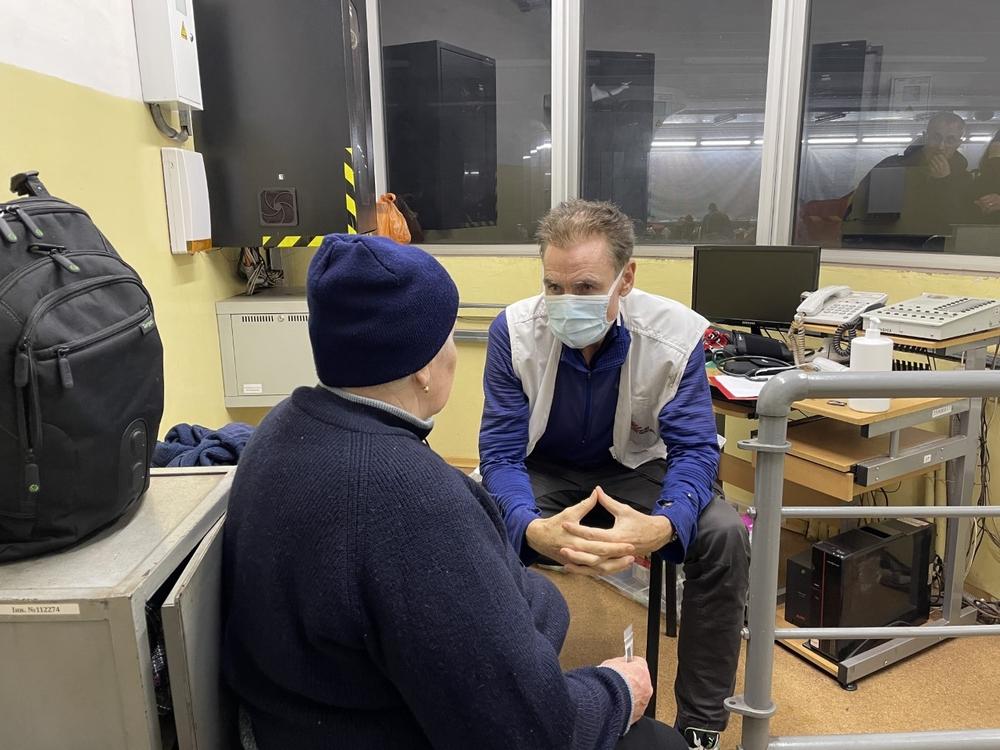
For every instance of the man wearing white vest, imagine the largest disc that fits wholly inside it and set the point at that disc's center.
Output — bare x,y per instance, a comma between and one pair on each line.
599,443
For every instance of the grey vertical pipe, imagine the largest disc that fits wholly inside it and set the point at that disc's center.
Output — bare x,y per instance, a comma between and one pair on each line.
894,443
768,485
961,480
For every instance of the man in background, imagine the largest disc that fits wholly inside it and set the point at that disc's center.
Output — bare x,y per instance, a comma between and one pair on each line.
716,225
910,199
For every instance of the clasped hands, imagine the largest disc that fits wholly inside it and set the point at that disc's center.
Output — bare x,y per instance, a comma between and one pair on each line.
591,551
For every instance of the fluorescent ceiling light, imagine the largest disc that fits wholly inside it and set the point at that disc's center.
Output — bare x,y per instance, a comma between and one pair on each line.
526,156
708,60
887,139
533,151
980,138
668,144
956,59
725,142
545,145
831,141
758,142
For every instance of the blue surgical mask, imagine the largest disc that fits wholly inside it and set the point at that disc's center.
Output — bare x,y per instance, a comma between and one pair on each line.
579,320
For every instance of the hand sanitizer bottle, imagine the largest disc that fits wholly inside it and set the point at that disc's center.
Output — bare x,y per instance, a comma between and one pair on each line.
871,353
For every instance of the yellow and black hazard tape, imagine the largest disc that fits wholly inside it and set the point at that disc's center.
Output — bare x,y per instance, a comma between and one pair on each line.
299,240
292,240
352,206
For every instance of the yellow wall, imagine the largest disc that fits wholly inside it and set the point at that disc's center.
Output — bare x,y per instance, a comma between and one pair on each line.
103,153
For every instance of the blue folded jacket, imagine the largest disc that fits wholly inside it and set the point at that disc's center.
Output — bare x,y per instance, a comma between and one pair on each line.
194,445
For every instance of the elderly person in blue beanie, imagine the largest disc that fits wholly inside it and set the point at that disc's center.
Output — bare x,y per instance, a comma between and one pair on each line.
372,600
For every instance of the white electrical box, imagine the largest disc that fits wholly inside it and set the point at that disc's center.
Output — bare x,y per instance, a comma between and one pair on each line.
188,216
168,55
266,353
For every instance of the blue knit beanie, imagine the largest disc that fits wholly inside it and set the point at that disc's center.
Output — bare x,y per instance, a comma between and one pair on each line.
378,310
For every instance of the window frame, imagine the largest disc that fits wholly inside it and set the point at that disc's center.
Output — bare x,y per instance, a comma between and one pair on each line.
784,99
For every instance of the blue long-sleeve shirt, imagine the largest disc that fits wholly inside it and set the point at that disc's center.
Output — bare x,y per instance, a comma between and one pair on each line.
579,433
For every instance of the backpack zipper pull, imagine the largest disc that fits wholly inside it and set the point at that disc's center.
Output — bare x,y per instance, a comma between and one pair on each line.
5,231
57,254
32,481
28,222
22,367
65,373
62,260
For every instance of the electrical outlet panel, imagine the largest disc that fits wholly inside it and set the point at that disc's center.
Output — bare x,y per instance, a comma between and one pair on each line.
168,53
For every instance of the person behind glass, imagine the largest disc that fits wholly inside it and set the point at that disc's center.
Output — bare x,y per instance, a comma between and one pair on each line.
599,443
908,199
716,225
371,598
985,207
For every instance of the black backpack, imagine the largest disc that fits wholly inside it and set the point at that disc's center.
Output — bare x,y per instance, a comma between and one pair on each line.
81,376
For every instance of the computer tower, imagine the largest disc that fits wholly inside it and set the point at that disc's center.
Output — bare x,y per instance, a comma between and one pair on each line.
441,133
286,130
870,577
618,129
798,588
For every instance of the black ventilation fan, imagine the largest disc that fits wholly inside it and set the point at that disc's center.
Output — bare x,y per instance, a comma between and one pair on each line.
279,208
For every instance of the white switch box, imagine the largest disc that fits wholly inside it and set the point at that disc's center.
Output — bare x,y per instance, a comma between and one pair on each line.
168,53
188,217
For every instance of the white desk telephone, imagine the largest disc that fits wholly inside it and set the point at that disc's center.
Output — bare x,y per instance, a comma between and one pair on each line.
834,305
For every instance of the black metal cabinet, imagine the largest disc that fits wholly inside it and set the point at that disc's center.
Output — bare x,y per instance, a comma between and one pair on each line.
286,131
441,133
618,129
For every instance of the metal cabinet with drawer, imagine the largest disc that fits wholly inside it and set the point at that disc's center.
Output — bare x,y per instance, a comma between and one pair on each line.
74,641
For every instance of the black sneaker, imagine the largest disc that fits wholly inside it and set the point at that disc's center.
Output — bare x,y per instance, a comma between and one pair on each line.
702,739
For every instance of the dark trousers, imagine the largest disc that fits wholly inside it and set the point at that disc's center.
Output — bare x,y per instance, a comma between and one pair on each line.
716,572
648,734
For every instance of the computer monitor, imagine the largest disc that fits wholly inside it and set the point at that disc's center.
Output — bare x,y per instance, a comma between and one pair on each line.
755,286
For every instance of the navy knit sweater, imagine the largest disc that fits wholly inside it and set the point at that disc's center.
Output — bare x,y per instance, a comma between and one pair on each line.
372,600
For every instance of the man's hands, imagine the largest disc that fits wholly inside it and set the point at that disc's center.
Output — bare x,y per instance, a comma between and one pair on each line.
636,674
549,537
938,166
643,532
590,551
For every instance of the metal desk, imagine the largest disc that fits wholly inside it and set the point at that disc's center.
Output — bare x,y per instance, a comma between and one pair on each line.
957,451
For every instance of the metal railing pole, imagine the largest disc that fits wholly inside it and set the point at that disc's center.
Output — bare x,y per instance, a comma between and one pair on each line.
773,408
756,705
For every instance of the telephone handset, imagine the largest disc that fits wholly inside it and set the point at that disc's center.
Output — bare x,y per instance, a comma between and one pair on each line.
835,305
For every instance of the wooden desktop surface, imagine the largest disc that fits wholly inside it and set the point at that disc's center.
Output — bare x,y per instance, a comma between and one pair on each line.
898,407
821,407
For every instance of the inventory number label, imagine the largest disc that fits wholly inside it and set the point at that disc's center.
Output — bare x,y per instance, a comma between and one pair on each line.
40,609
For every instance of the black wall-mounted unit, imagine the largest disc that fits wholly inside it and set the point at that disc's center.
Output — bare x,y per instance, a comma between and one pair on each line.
286,131
441,133
618,129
